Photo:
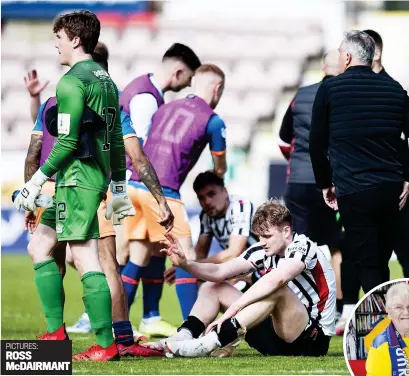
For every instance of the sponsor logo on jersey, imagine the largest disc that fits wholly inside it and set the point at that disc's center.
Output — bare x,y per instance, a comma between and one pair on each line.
59,228
223,132
297,248
101,73
239,220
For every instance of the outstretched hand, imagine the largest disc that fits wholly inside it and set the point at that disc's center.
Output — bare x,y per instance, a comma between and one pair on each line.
174,250
33,84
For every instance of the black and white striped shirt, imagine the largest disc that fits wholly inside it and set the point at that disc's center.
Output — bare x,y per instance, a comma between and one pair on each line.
315,286
237,221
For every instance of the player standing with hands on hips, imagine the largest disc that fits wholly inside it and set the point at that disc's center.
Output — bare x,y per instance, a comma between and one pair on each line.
81,183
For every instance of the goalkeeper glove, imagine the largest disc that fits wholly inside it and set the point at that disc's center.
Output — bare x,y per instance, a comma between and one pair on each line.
120,205
31,190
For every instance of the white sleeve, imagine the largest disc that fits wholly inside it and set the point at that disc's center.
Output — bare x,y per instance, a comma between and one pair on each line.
142,108
204,224
241,213
304,250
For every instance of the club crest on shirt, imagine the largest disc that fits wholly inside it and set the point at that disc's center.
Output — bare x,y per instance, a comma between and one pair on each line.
63,123
59,228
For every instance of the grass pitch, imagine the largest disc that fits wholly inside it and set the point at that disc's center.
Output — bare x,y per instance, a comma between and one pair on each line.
22,319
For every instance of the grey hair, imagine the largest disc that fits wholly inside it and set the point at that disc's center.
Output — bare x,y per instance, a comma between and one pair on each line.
400,290
360,45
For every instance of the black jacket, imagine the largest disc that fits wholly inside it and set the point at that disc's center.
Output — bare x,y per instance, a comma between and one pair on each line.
295,130
357,122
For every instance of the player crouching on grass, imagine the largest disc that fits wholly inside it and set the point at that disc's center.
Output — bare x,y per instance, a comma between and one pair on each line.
290,311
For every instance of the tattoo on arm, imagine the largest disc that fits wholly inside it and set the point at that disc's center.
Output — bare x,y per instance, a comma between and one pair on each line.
32,163
149,177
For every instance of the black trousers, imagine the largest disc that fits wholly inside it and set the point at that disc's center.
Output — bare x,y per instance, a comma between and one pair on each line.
311,216
402,239
370,220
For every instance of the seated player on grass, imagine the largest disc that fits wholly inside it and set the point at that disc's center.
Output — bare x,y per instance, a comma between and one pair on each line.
226,218
289,311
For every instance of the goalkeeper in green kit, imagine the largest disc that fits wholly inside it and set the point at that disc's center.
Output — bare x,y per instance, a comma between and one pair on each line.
89,147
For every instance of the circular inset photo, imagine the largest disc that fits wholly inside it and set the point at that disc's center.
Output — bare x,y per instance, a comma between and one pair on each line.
376,337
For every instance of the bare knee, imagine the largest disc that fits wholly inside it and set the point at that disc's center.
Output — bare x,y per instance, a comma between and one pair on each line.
225,293
85,255
40,247
139,252
213,288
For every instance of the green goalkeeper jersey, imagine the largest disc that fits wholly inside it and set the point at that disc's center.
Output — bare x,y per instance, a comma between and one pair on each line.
86,84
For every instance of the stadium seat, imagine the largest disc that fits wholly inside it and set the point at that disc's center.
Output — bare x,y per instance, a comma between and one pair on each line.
285,72
259,59
166,38
237,132
47,69
16,136
8,139
248,74
46,50
208,44
142,66
16,49
133,42
118,70
8,114
17,101
23,133
232,106
109,36
12,73
259,103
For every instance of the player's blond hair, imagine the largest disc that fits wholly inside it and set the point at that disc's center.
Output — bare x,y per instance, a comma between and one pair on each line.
270,214
211,68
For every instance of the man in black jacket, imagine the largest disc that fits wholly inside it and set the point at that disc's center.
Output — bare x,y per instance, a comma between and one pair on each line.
310,215
357,121
402,241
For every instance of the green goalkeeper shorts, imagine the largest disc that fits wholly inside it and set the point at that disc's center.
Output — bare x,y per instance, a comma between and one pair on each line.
73,215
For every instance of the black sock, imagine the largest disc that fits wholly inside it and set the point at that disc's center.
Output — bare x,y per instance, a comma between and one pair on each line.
228,331
195,326
340,305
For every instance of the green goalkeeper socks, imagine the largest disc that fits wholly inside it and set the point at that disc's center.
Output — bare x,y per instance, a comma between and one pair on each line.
97,301
48,280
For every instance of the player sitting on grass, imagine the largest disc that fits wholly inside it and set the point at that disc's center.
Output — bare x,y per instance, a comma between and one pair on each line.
289,311
227,218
